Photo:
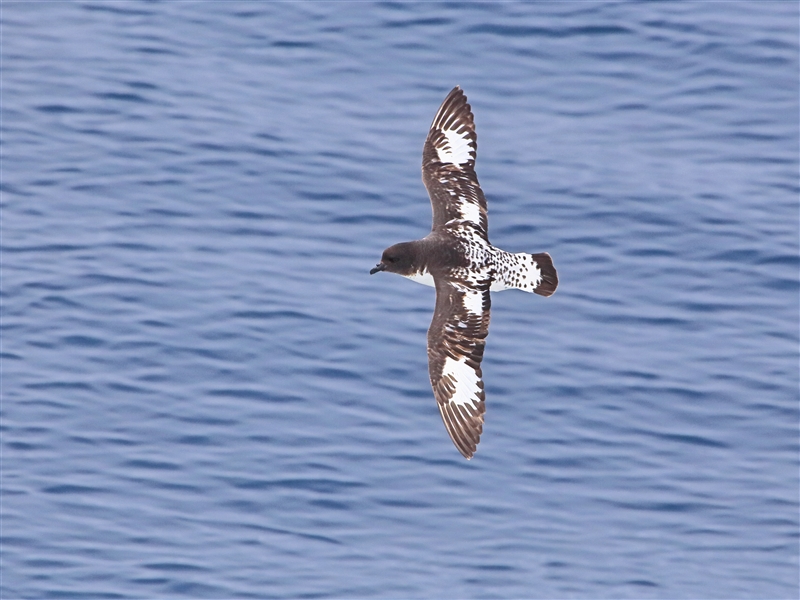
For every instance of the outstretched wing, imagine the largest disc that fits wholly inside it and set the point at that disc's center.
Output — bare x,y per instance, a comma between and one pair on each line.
448,165
456,340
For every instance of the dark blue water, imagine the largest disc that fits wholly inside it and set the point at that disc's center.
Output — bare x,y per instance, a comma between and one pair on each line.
205,395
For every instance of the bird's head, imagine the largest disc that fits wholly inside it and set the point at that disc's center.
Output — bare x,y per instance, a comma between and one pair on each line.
396,259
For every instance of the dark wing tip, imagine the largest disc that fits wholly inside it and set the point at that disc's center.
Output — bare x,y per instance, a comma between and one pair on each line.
454,109
549,282
452,143
464,430
456,101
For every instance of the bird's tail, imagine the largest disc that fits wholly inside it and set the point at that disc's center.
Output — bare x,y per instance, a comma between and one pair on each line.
527,272
548,278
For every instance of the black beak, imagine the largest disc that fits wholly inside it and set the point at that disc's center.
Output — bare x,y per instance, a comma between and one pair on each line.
379,267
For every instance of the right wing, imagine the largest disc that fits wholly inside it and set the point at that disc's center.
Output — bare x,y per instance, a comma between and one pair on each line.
448,165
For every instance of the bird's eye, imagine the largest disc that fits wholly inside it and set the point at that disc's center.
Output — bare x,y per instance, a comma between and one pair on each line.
391,259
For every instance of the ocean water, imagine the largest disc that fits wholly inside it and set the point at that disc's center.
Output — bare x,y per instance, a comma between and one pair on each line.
205,395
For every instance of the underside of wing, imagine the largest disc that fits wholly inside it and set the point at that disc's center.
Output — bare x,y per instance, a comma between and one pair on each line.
456,341
448,165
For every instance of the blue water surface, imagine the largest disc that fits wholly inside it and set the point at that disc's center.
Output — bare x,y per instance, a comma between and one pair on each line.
205,395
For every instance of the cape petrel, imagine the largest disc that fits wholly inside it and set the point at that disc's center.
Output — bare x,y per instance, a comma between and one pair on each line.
457,259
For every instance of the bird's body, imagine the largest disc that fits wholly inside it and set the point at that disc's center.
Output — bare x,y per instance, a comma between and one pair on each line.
457,259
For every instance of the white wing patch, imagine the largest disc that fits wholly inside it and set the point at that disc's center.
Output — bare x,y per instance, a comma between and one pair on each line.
473,300
458,150
470,211
465,381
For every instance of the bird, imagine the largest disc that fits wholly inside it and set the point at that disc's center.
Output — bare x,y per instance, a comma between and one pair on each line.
457,259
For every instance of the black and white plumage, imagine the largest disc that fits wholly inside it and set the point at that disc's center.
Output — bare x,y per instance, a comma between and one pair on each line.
458,260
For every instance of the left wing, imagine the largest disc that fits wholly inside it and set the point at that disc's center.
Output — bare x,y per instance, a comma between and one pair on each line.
456,340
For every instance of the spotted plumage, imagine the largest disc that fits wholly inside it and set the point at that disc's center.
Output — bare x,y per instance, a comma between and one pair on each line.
457,259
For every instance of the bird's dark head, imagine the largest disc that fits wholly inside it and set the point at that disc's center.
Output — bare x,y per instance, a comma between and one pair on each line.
397,259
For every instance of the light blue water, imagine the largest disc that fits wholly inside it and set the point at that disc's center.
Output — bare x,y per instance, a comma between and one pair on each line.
205,395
